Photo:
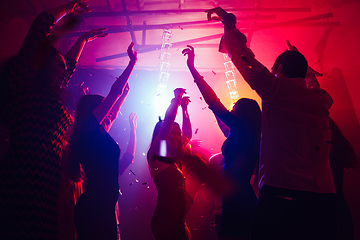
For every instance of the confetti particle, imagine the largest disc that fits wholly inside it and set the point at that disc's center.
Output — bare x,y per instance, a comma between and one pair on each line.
132,172
136,180
201,98
203,108
145,183
213,72
143,154
147,187
120,191
196,131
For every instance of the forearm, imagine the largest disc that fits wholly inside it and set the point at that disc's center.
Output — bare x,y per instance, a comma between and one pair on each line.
119,84
186,125
76,49
132,142
254,73
225,129
59,12
116,108
169,119
206,91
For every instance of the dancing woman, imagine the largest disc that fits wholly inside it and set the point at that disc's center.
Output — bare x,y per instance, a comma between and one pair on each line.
98,153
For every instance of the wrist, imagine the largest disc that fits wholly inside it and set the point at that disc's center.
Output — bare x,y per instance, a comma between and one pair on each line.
176,100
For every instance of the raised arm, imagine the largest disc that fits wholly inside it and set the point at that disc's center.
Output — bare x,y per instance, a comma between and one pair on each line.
170,114
225,129
29,57
206,91
209,95
186,124
117,88
132,140
74,6
129,155
76,49
235,44
116,108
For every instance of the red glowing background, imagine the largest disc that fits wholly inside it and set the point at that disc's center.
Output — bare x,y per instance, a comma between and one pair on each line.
326,32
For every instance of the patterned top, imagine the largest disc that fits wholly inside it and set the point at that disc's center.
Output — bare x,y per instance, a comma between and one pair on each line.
37,122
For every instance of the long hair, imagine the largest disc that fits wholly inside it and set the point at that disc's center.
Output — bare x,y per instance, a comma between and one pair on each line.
71,162
181,146
249,109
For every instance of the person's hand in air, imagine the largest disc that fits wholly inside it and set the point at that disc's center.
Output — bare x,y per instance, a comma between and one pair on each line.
77,7
185,102
179,92
189,51
131,53
94,34
218,11
228,19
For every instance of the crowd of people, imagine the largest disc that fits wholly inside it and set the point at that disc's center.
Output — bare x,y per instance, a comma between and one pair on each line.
59,174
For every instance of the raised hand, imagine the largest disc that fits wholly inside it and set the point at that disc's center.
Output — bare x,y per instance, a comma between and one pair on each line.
219,11
131,53
190,53
179,92
77,6
133,120
291,47
93,34
185,102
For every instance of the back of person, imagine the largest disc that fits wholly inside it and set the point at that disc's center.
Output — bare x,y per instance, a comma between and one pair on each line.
296,138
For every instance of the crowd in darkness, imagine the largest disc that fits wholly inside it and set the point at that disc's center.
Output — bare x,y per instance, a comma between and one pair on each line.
59,172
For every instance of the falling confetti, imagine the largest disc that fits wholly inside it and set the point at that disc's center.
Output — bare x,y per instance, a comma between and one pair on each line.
213,72
201,98
132,172
196,131
145,183
203,108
